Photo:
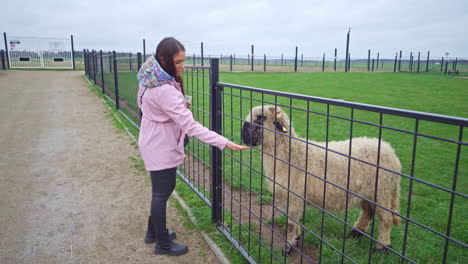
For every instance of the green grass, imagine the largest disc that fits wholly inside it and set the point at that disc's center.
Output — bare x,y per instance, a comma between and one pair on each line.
435,160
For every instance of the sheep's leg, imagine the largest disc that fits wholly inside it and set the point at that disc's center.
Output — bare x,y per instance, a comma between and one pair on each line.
294,229
363,221
385,228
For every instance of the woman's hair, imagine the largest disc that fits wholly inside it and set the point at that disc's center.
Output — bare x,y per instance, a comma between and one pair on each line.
165,52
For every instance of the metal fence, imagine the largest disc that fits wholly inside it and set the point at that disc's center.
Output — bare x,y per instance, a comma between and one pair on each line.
334,195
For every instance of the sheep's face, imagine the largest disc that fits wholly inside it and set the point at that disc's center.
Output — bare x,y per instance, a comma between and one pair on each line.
271,117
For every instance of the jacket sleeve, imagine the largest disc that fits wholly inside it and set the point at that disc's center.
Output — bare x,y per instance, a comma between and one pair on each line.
172,103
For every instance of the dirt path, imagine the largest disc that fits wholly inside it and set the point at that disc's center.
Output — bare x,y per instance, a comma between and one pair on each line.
68,193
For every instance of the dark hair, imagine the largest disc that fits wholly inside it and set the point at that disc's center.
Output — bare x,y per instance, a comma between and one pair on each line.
166,50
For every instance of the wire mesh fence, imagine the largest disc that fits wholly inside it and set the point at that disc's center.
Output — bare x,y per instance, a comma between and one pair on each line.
326,181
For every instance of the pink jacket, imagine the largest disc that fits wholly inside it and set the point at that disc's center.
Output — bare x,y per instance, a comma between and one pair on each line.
165,122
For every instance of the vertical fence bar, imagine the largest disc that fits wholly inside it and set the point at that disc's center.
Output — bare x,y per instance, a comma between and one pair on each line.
264,62
427,60
442,64
94,66
230,63
102,71
446,66
394,65
110,60
372,64
72,52
252,58
455,64
85,60
216,158
295,61
334,64
6,50
201,48
116,81
454,188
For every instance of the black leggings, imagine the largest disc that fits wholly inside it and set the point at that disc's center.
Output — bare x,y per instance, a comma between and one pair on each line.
163,183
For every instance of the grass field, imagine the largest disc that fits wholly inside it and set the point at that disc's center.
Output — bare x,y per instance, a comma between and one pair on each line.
434,159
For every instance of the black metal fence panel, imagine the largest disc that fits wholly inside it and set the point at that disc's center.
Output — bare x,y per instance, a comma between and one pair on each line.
326,181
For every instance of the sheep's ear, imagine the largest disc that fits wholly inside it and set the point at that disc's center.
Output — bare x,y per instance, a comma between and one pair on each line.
277,112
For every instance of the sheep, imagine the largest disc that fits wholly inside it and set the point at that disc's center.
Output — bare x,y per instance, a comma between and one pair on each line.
267,124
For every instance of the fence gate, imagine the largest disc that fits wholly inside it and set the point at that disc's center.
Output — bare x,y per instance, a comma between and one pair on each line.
42,53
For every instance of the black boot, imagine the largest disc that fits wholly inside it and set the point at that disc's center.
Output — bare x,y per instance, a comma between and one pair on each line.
150,237
166,246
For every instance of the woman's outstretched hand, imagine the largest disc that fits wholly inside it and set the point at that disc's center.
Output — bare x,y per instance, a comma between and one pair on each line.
234,146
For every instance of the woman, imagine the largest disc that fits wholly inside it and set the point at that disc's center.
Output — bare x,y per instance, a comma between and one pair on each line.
165,123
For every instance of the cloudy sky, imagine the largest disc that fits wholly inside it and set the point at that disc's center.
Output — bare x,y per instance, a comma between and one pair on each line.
228,27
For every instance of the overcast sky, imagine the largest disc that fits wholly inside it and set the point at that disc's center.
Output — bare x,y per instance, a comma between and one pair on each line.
228,27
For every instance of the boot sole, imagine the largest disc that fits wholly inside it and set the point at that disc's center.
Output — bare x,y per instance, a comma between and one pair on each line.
166,252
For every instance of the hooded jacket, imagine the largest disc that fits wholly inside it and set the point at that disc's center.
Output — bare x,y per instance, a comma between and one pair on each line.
166,119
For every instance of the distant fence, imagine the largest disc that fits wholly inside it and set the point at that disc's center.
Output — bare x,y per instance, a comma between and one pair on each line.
314,184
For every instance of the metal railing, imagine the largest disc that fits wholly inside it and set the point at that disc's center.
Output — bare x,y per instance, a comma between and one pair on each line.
323,181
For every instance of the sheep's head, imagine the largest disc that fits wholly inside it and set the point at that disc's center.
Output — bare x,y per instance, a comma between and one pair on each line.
268,116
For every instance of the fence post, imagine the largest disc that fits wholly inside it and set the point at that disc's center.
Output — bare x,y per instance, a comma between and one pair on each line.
144,50
216,158
73,51
252,57
372,64
347,51
399,64
446,66
264,62
202,54
455,64
139,60
394,65
349,62
334,64
377,68
102,71
442,64
85,61
295,62
368,60
6,50
2,55
419,60
116,81
427,61
130,60
323,63
411,62
110,61
230,63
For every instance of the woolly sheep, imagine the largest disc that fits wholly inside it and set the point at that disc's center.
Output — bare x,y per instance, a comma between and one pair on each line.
272,124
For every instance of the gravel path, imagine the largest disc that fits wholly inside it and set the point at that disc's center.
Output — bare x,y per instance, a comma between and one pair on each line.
68,193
